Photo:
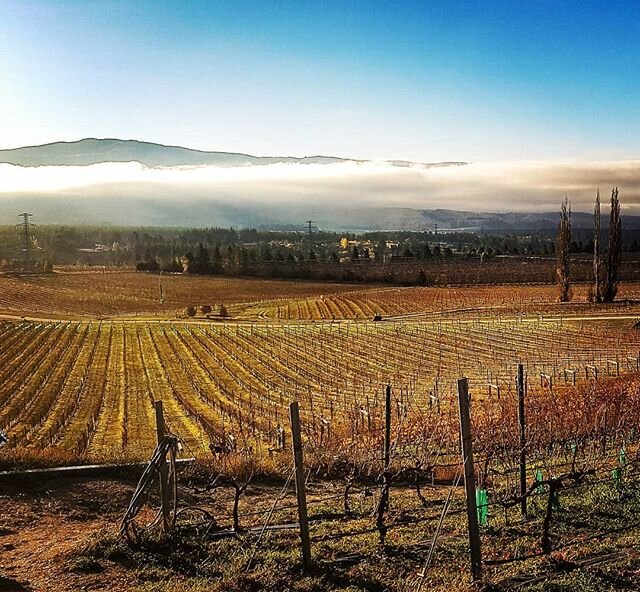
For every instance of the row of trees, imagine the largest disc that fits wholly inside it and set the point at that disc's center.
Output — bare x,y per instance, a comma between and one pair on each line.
238,260
164,248
606,263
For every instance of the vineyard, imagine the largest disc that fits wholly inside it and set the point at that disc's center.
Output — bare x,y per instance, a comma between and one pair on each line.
121,294
87,388
108,293
456,300
384,472
379,408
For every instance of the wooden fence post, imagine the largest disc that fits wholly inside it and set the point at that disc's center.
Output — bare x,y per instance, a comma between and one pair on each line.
163,469
523,441
298,460
469,479
386,477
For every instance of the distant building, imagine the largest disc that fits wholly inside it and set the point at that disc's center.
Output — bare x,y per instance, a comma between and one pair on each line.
97,248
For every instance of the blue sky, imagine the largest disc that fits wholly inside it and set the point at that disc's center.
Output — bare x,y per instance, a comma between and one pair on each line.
424,81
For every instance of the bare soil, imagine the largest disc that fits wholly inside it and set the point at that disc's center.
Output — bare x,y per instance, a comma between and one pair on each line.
43,524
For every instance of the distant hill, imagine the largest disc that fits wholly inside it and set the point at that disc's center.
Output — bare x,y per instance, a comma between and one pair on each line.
342,204
93,151
189,212
390,218
414,219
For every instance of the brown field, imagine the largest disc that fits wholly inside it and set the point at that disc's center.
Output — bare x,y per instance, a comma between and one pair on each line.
112,293
124,294
455,300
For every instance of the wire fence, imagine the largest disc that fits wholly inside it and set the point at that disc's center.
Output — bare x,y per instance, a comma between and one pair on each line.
587,463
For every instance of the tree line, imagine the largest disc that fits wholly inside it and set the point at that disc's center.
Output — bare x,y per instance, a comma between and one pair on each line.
286,254
606,262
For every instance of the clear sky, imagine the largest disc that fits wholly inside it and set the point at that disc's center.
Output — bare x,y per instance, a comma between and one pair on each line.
424,81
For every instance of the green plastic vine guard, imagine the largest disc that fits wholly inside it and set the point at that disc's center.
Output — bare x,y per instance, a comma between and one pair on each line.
617,473
622,458
482,501
539,477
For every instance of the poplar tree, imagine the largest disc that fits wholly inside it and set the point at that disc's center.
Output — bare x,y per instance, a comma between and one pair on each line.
562,251
614,249
597,261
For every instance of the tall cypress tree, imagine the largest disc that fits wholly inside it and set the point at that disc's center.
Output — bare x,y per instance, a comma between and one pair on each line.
614,248
597,262
562,251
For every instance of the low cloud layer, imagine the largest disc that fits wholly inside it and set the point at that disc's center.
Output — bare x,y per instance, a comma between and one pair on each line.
480,187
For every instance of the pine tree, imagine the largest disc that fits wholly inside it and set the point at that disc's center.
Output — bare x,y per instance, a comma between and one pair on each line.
562,251
201,259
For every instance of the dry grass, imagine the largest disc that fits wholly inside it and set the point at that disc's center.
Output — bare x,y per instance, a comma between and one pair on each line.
61,536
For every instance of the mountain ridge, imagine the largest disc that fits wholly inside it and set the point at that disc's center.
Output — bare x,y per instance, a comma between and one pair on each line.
90,151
